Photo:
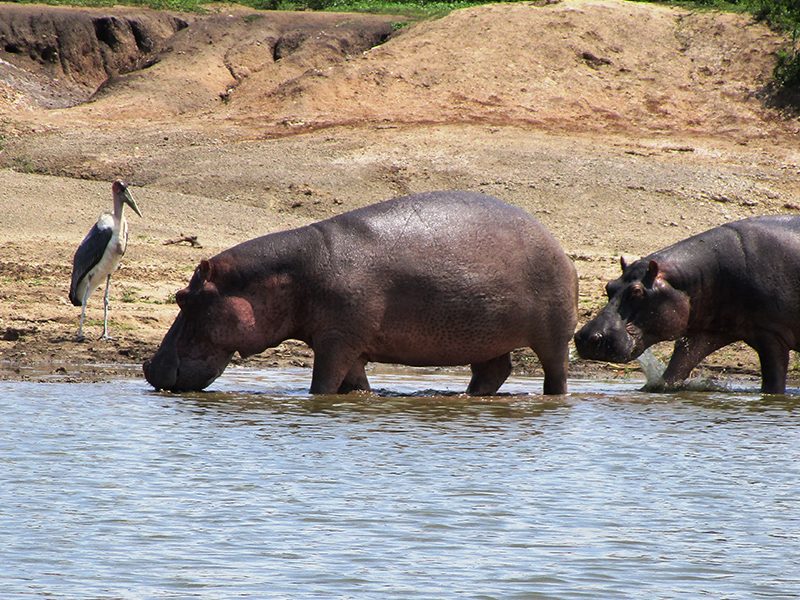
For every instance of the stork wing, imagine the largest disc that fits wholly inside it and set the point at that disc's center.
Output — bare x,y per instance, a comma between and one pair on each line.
86,258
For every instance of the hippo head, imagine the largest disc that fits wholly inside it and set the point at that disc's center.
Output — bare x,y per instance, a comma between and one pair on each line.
643,309
217,318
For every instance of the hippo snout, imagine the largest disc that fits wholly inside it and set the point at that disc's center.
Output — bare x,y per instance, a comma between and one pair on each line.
181,366
595,342
588,342
165,372
161,371
160,374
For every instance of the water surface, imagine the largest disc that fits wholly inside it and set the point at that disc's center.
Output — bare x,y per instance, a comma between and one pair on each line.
257,490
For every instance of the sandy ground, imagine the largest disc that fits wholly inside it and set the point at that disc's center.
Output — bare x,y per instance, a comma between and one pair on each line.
623,127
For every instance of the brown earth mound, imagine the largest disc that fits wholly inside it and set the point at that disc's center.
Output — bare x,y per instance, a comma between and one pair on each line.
58,57
577,65
622,126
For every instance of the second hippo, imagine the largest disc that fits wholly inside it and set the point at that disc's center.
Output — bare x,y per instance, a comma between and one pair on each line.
739,281
441,278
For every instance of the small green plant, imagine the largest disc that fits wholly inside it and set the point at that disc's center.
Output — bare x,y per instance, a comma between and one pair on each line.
128,294
23,164
252,18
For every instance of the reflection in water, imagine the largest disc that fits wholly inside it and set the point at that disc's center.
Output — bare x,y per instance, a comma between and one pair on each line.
286,392
433,409
257,489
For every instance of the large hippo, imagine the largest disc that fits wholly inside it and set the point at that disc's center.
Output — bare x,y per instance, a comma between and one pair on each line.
740,281
442,278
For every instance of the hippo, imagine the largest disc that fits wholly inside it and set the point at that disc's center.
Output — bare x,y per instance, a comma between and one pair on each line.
433,279
736,282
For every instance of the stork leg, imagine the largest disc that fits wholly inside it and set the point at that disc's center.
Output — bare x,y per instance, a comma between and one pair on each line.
79,337
105,335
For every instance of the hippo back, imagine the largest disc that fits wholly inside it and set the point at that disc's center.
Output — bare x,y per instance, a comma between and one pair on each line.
748,264
456,270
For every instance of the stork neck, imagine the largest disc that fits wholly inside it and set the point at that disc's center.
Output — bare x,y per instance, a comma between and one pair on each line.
119,206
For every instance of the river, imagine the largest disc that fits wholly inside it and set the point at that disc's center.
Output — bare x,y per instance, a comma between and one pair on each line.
258,490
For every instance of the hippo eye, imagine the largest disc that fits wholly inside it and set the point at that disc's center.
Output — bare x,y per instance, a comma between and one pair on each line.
637,292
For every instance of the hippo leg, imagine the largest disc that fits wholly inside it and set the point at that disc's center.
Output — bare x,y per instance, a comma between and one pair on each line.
688,353
334,360
356,379
487,377
555,364
774,357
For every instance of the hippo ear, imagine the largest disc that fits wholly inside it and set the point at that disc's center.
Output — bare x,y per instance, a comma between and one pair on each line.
205,269
652,270
627,261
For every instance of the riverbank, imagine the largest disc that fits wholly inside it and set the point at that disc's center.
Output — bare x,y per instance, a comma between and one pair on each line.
624,128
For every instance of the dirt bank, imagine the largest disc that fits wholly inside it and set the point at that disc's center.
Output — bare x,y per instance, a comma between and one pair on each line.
622,126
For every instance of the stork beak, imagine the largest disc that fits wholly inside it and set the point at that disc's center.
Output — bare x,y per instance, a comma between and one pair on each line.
128,197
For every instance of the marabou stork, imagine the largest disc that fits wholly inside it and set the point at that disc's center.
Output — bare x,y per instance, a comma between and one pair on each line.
99,254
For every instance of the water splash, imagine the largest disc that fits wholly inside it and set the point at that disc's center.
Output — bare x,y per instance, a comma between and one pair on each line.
653,370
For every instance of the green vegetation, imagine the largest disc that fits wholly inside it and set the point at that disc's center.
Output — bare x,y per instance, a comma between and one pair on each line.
417,9
780,14
411,8
111,324
128,294
786,14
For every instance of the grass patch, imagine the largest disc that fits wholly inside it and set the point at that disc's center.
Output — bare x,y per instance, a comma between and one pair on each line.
414,10
128,294
111,324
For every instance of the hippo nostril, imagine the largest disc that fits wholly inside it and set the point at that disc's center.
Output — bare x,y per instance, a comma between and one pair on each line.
585,337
